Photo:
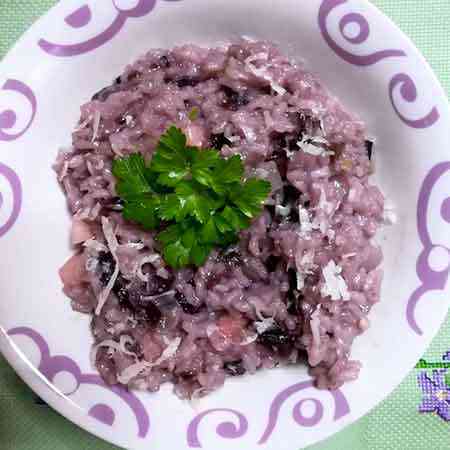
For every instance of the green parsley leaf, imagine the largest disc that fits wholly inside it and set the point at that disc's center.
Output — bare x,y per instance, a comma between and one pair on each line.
209,234
189,237
203,163
152,180
200,253
230,170
226,173
194,201
171,234
182,246
235,218
177,255
199,196
222,224
173,139
169,208
250,196
130,174
173,176
229,239
170,159
143,210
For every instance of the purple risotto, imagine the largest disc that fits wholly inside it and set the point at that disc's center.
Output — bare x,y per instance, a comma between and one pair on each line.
291,273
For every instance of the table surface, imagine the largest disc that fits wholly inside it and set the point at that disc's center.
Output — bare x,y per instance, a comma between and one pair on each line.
26,423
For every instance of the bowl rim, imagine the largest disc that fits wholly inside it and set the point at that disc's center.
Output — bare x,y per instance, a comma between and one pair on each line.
42,387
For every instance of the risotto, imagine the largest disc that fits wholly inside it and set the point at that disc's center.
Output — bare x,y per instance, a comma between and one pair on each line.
298,286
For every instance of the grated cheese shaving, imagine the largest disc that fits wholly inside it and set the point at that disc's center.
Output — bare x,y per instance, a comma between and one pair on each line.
307,262
116,346
331,234
261,173
96,125
145,260
305,267
129,120
257,57
135,245
249,340
233,139
314,146
308,258
164,294
305,221
135,369
264,325
229,135
112,244
300,280
335,285
210,330
95,245
262,72
169,351
325,204
283,211
290,153
250,135
95,210
83,124
91,264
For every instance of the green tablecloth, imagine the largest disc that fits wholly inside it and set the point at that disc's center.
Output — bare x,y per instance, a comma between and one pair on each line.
25,424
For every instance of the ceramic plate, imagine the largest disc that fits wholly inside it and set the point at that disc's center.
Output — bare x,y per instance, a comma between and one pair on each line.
77,48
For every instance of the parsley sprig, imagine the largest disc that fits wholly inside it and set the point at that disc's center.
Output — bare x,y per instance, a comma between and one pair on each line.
194,197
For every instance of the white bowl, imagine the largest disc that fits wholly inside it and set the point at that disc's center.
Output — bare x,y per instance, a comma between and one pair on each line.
363,58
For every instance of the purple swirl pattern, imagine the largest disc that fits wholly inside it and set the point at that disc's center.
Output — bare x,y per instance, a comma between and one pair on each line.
83,16
80,17
431,279
341,408
326,8
408,89
8,117
16,189
50,366
227,430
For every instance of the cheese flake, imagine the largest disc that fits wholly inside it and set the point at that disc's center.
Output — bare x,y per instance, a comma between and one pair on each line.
265,324
335,285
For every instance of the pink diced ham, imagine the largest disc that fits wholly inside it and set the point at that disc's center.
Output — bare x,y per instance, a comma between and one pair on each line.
81,231
73,272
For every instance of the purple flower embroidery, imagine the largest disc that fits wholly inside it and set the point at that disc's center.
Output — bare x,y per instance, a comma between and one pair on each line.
436,394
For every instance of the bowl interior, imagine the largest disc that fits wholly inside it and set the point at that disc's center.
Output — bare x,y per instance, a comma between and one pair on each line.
38,243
